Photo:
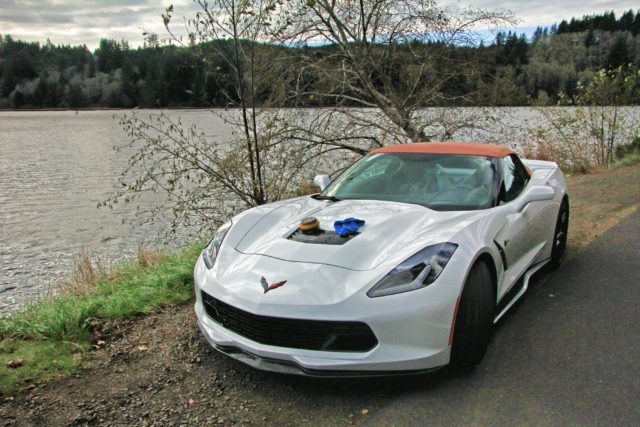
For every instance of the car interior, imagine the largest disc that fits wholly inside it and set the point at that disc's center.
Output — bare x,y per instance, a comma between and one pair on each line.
430,180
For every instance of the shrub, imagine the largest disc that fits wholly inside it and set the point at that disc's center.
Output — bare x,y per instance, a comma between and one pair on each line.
624,150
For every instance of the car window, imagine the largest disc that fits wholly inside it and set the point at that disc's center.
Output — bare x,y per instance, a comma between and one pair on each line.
514,178
363,171
438,181
373,169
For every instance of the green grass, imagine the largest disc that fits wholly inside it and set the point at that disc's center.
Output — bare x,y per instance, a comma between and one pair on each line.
41,361
51,335
628,160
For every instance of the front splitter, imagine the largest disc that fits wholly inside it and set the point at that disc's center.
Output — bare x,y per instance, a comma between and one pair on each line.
291,368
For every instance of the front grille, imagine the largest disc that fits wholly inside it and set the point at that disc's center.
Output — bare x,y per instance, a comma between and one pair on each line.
292,333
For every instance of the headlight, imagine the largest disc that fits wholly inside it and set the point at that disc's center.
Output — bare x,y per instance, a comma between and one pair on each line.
210,253
417,271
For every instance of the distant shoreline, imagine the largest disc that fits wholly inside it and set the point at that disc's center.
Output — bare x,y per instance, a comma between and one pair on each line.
13,110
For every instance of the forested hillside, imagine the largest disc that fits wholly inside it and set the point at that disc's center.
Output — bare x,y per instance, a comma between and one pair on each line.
512,70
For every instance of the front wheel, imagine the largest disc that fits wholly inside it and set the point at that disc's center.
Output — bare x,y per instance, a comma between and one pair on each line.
474,321
560,235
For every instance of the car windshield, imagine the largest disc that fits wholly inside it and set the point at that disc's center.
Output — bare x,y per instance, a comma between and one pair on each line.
437,181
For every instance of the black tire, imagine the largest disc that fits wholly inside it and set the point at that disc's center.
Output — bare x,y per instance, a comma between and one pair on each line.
474,321
560,235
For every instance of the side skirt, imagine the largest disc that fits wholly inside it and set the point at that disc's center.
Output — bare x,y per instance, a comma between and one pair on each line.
520,287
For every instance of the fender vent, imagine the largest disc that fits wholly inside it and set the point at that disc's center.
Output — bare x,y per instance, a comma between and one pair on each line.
503,256
321,237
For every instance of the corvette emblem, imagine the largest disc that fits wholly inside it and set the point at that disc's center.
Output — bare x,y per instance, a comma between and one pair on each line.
268,287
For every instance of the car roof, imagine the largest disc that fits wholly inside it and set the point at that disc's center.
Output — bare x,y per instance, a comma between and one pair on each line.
465,148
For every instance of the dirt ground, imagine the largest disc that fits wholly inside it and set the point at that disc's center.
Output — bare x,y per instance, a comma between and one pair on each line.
600,200
159,371
162,372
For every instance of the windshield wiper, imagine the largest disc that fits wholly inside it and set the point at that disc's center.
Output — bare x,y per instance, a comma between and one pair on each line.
331,198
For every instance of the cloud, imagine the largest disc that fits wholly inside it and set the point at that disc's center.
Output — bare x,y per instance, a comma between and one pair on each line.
40,18
545,12
87,21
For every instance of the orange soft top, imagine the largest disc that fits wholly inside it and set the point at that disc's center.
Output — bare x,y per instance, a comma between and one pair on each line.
466,148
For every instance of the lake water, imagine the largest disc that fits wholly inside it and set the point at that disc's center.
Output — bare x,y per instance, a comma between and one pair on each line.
54,169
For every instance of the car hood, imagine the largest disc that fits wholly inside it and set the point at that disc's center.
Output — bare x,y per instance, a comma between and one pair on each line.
390,228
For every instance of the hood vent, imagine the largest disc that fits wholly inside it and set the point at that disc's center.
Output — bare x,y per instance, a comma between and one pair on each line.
321,237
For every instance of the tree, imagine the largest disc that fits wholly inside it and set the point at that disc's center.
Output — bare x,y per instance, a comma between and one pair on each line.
392,56
206,179
608,22
153,84
18,99
563,27
619,54
9,79
198,90
41,89
244,23
626,21
75,97
537,34
590,38
587,134
514,50
127,87
110,55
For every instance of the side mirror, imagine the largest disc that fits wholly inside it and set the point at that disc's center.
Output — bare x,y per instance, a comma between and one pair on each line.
536,193
322,181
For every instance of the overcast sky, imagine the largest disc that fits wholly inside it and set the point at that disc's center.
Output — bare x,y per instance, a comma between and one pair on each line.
87,21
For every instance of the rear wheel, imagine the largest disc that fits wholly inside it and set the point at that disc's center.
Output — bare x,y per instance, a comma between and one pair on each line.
474,321
560,235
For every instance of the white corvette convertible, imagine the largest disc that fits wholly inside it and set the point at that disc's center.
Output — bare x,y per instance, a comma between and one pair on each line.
402,264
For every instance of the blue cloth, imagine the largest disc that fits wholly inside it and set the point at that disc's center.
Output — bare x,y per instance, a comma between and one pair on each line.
348,226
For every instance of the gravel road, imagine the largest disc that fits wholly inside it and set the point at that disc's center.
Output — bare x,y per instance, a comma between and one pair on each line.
568,354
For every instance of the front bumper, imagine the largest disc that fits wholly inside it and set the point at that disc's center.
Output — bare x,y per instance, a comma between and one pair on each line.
412,330
282,366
